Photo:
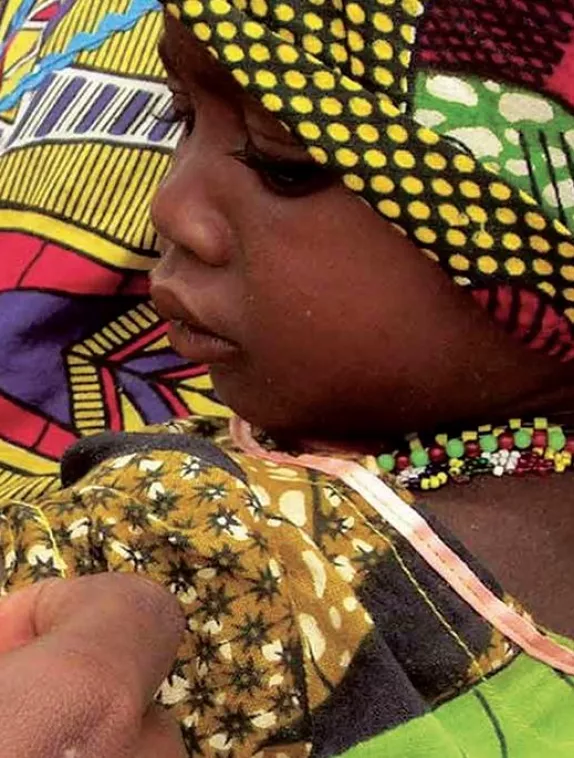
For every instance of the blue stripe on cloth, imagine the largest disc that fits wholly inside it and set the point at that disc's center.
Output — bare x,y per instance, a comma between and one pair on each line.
111,24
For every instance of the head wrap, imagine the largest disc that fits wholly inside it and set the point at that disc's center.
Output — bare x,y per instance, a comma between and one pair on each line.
478,173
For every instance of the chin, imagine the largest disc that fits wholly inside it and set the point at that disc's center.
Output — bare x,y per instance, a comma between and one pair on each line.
261,403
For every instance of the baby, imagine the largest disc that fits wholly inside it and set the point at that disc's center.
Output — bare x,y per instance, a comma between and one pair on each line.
325,613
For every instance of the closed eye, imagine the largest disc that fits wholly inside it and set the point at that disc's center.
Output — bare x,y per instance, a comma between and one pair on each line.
287,178
181,110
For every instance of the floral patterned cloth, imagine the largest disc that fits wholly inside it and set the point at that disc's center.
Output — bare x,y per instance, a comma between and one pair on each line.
312,625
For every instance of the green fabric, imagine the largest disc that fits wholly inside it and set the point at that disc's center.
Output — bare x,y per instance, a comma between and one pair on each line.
524,711
526,137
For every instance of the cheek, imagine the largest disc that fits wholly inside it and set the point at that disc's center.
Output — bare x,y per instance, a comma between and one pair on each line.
317,272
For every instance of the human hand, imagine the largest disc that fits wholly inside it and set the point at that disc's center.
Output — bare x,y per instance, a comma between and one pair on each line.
80,661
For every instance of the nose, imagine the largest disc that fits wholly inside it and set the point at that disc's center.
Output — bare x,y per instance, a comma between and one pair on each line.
186,215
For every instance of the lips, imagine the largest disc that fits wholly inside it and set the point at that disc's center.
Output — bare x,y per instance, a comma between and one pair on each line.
198,339
198,344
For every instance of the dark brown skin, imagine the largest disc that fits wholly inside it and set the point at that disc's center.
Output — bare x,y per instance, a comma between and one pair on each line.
346,332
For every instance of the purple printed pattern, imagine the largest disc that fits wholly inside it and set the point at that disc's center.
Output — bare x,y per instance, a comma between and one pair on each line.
70,105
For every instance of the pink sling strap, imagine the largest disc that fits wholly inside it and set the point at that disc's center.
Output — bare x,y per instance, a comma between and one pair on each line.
413,527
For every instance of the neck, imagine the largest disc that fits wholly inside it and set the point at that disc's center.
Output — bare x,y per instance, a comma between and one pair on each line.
522,529
555,404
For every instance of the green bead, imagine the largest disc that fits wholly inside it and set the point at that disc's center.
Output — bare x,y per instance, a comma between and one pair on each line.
488,443
523,438
419,458
556,440
386,462
455,448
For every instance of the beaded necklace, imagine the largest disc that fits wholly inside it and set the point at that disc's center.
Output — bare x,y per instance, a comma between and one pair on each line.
516,449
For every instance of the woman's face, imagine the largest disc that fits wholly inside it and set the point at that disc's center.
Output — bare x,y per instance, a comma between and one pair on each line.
333,324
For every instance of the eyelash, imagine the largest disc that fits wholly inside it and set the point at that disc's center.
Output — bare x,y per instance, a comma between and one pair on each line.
179,115
282,177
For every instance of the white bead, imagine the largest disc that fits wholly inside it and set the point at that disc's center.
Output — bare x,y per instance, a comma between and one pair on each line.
504,455
498,470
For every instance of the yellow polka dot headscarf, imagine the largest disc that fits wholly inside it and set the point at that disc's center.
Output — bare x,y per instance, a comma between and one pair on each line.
450,156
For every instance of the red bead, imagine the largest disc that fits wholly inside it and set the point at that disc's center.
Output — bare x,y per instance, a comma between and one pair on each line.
542,467
570,445
403,462
539,438
472,449
437,454
506,441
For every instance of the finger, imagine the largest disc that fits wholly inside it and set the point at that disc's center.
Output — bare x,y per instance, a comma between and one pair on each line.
160,736
127,623
101,647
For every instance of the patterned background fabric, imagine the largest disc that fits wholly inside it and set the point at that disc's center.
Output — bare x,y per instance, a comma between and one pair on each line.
81,151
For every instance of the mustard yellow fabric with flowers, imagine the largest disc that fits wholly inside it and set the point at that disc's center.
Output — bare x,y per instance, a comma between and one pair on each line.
341,76
312,625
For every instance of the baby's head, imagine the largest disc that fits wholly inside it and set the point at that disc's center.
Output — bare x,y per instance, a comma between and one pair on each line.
332,322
